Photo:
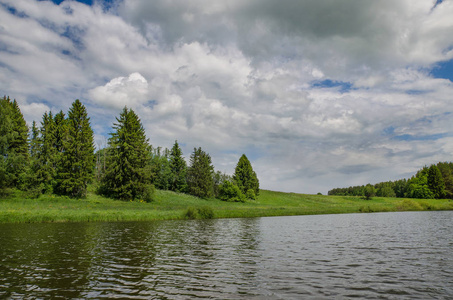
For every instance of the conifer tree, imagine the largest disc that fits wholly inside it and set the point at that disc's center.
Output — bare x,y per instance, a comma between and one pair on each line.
43,164
178,167
245,177
200,174
127,176
13,144
78,160
435,182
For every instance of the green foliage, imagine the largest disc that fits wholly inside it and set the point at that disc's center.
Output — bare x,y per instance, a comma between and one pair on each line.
73,153
127,171
178,170
204,212
231,192
14,153
446,170
435,182
245,177
250,194
149,193
159,166
369,191
200,174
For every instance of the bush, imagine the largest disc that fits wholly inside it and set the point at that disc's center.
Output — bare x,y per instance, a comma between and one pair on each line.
199,213
205,212
149,193
251,194
231,192
408,204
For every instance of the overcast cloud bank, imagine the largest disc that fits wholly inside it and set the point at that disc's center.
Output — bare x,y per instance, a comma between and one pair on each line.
318,94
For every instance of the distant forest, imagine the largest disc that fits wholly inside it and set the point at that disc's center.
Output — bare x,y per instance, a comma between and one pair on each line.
435,181
58,156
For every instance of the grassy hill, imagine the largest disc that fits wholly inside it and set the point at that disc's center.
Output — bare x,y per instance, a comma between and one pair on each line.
16,208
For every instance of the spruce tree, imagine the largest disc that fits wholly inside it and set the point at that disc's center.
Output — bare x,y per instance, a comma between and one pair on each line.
6,129
178,167
13,145
77,162
43,164
200,174
127,176
435,182
246,178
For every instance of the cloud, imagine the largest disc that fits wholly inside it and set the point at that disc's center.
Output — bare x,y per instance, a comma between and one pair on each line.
318,94
130,91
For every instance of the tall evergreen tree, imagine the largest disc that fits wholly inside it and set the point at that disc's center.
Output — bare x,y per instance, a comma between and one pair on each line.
126,176
178,167
200,174
435,182
43,164
245,177
13,144
6,129
77,163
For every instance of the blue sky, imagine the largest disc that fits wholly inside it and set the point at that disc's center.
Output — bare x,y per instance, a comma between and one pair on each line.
318,94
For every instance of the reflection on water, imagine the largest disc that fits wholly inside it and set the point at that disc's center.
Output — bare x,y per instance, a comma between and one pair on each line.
390,256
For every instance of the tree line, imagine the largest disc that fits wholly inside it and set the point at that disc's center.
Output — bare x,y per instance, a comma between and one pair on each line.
59,157
433,182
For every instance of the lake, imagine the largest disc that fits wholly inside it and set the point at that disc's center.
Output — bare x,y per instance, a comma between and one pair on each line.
407,255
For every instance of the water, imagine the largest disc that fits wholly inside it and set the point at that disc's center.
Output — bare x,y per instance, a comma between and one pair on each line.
376,256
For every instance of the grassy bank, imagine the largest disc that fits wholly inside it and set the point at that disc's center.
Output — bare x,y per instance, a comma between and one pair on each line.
16,208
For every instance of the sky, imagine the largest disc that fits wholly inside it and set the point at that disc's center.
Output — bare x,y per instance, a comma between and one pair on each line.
317,94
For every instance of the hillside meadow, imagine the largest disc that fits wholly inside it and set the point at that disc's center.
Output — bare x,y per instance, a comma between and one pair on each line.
16,208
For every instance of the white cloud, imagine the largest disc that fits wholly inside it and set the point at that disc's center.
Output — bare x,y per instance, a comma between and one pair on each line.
131,91
239,77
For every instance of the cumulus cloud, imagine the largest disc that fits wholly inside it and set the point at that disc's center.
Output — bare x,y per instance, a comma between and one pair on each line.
130,91
318,94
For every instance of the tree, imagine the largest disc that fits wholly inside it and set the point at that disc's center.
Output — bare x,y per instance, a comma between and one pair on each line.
200,174
13,144
44,151
78,160
127,175
245,178
228,191
369,191
159,165
447,175
435,182
178,168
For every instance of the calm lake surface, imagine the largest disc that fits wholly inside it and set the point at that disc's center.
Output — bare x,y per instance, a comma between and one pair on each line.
376,256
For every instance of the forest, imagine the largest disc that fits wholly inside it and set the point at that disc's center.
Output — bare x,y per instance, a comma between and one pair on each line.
58,156
433,182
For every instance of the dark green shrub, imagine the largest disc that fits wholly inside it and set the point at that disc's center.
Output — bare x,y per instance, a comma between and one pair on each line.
149,193
231,192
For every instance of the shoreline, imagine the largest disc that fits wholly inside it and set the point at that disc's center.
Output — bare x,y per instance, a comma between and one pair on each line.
174,206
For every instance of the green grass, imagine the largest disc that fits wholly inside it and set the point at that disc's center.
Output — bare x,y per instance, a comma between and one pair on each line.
17,208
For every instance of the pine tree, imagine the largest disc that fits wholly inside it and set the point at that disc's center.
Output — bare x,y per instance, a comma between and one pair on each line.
200,174
77,162
178,167
127,176
245,177
435,182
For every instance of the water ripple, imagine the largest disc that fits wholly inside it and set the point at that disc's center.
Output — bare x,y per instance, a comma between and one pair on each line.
366,256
